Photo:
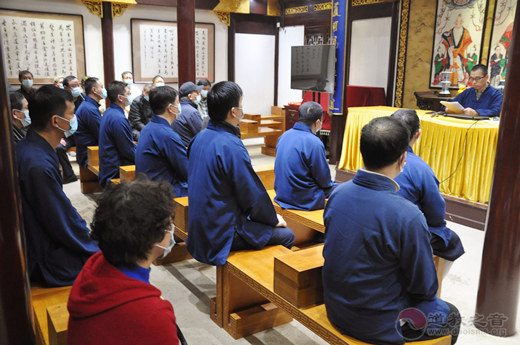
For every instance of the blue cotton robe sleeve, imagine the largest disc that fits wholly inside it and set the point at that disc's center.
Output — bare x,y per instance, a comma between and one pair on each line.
249,190
124,142
68,228
496,105
93,123
176,153
319,168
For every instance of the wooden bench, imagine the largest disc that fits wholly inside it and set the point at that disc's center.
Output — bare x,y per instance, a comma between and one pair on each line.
254,270
50,314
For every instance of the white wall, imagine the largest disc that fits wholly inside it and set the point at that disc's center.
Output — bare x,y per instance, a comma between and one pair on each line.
122,36
370,52
254,71
288,37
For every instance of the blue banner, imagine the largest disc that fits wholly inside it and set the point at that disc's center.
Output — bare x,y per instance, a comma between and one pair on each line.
339,29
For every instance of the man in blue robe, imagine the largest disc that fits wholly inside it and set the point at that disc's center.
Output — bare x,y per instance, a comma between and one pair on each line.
160,153
58,241
116,147
419,184
481,99
302,175
379,271
229,207
189,122
89,119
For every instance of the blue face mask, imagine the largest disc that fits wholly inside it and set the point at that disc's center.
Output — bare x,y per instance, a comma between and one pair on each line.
168,249
147,98
76,91
73,126
159,84
104,93
198,99
129,100
60,86
204,93
179,107
27,83
27,120
129,82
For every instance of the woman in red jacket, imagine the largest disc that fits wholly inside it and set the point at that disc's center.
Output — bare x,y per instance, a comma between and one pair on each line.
112,300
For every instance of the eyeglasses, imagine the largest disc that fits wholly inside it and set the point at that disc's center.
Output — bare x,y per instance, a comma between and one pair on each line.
477,79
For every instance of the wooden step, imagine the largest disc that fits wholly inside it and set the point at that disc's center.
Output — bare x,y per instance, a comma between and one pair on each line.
262,132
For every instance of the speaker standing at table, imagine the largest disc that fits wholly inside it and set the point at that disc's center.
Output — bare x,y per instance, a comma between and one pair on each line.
302,175
420,185
379,278
481,99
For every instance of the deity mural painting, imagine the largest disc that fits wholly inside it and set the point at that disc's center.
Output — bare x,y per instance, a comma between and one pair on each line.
501,40
459,29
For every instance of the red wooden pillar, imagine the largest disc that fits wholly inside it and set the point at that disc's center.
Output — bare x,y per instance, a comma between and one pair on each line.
107,31
497,300
15,292
186,40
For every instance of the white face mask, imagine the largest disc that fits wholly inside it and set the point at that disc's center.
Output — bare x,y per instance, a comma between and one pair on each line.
27,120
168,249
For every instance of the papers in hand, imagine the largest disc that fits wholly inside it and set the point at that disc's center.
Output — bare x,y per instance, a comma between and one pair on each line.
453,107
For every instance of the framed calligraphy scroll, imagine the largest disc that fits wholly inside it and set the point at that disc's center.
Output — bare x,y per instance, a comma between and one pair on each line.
501,40
154,50
457,45
47,44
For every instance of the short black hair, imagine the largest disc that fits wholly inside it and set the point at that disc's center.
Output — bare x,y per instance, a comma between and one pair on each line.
309,112
115,89
125,73
68,79
21,73
161,97
221,98
89,84
203,82
409,118
47,101
480,67
157,76
130,218
16,99
383,141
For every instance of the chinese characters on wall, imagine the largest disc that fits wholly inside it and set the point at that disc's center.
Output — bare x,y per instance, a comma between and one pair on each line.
306,62
46,47
159,51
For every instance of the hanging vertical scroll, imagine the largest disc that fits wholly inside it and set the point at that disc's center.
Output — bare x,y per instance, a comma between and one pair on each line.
47,44
339,25
154,50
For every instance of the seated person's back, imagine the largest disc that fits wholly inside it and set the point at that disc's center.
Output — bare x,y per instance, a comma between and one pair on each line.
89,119
58,241
112,300
160,152
420,185
481,99
229,207
116,147
189,121
302,175
378,259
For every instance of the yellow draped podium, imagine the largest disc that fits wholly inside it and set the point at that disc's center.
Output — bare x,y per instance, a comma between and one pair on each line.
460,152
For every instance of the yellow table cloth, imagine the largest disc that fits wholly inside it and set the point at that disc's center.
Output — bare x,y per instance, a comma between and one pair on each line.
460,152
